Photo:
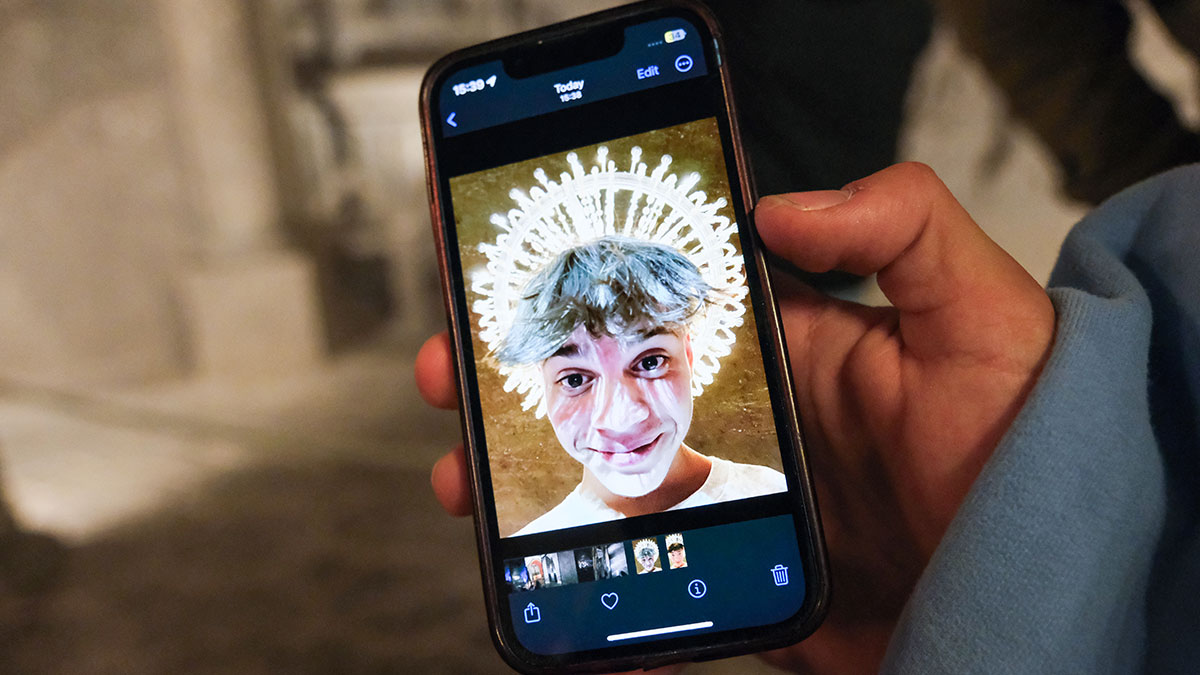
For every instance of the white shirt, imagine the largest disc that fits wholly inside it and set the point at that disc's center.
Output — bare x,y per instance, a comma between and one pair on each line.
726,481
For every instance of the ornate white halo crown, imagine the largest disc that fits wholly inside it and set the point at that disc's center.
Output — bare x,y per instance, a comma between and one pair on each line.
583,206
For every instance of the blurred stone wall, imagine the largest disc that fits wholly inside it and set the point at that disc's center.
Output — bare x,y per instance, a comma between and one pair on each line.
93,207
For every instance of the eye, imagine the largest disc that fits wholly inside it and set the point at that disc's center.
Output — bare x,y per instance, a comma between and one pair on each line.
574,382
651,365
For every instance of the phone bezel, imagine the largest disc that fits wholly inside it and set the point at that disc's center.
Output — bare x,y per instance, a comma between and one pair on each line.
647,654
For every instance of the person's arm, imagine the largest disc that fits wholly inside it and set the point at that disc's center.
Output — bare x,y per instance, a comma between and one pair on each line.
1077,549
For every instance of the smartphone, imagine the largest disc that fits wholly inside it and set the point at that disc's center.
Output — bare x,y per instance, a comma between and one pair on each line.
637,465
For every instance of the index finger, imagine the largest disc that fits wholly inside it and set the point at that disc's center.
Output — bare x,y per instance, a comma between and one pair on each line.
434,373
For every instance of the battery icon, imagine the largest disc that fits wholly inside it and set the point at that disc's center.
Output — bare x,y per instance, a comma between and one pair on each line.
675,35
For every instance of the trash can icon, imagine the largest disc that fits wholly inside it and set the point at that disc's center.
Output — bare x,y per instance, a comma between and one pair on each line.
532,613
780,573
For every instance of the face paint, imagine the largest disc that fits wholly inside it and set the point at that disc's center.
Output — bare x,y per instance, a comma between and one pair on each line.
621,406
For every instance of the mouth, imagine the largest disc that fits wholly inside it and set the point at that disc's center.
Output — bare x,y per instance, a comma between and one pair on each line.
629,458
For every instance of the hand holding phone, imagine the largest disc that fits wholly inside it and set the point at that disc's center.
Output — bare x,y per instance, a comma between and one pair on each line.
904,417
887,497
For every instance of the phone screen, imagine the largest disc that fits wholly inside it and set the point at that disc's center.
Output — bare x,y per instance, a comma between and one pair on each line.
638,454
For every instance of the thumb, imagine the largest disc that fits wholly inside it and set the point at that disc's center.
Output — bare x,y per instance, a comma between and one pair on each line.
958,293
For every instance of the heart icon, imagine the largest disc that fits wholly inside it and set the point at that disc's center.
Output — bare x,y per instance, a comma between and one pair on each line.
609,600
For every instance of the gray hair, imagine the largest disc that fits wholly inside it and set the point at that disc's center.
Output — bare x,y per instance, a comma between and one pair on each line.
611,285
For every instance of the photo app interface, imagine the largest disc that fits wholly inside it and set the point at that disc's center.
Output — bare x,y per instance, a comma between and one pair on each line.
625,408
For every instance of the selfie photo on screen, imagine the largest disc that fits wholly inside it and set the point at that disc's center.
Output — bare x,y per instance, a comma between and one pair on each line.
619,373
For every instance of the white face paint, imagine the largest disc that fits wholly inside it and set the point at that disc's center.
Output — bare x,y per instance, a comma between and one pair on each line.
621,406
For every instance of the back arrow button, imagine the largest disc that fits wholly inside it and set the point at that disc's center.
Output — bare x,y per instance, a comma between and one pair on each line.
450,120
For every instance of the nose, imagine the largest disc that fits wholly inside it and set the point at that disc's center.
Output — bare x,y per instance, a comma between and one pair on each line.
620,408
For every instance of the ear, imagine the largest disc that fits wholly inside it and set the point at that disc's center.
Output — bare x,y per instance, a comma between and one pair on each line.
687,343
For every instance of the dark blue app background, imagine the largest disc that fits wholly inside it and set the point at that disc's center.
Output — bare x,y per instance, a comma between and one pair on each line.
737,575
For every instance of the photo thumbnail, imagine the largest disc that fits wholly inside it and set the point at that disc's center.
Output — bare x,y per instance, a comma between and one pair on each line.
601,562
645,552
676,555
610,561
516,576
612,324
540,571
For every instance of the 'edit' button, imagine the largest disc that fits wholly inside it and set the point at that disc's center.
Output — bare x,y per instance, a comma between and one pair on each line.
648,71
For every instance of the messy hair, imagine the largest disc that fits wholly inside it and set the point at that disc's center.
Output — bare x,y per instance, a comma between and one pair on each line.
611,285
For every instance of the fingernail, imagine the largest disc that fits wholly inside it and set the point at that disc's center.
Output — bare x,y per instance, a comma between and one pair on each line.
815,200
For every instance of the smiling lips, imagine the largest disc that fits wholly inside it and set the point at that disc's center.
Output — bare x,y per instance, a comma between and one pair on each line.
628,458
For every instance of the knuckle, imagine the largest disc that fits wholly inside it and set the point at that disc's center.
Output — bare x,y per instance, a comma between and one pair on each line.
920,173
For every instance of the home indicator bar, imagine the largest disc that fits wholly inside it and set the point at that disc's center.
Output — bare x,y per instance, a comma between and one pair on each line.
660,631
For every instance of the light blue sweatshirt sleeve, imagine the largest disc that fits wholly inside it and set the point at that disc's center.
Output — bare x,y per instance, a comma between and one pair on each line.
1077,549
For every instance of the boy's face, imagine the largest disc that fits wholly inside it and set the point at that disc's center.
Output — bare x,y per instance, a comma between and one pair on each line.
676,557
621,406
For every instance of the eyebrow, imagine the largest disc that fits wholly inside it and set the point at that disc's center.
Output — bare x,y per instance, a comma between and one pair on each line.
569,349
572,349
657,330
